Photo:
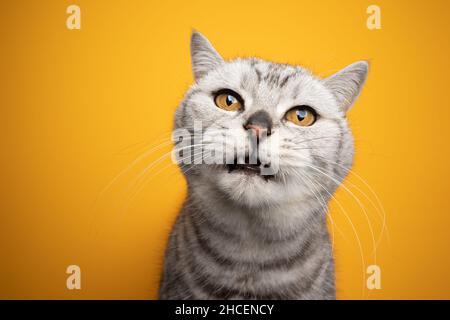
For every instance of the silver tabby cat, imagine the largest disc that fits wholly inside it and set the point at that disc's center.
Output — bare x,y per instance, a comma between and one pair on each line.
242,234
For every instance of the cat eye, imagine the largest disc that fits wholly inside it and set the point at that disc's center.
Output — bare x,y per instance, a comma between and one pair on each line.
302,116
228,100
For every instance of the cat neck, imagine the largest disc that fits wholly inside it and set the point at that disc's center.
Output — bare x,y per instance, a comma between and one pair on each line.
276,221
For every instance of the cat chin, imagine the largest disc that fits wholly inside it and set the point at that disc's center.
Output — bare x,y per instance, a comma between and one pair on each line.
255,191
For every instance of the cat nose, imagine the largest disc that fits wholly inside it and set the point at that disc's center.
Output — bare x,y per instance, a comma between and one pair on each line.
260,123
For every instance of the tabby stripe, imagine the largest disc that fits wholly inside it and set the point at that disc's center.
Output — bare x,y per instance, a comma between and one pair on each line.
219,291
179,278
313,277
285,80
230,235
341,142
336,168
274,78
274,264
258,74
213,226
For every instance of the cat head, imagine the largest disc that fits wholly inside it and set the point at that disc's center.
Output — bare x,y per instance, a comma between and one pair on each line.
263,133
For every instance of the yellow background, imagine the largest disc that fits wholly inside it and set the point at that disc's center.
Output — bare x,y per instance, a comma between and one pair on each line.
78,106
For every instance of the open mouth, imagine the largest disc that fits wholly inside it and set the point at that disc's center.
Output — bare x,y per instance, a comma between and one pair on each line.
248,168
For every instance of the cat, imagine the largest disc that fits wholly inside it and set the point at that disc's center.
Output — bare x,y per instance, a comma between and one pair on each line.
241,234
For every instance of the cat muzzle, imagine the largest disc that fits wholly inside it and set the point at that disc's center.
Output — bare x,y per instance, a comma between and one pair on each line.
250,166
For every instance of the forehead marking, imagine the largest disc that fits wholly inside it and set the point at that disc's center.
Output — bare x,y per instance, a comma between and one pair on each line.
285,80
258,74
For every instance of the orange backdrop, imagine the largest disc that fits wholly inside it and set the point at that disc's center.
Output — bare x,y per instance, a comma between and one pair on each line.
79,106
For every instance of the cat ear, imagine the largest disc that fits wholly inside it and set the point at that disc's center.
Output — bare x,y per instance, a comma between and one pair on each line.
204,56
347,83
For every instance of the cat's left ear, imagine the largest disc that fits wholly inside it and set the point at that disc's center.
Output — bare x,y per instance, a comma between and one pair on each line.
204,56
347,83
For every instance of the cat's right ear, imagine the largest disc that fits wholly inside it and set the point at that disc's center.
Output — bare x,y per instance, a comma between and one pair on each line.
204,56
347,83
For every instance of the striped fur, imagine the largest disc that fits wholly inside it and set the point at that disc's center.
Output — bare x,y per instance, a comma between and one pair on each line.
240,236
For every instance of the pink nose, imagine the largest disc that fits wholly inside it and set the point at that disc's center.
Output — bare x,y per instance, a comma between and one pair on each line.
258,131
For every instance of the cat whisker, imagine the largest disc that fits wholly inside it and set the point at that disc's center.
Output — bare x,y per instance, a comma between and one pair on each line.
310,148
378,207
374,243
310,179
382,215
154,163
322,204
356,199
132,164
297,141
353,228
140,182
128,149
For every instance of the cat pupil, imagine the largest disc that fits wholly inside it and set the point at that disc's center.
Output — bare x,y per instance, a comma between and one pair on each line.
230,100
301,114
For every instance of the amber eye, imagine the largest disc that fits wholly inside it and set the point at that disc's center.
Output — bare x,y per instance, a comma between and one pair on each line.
228,100
302,116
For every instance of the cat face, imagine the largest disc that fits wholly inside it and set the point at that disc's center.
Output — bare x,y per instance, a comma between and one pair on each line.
276,132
